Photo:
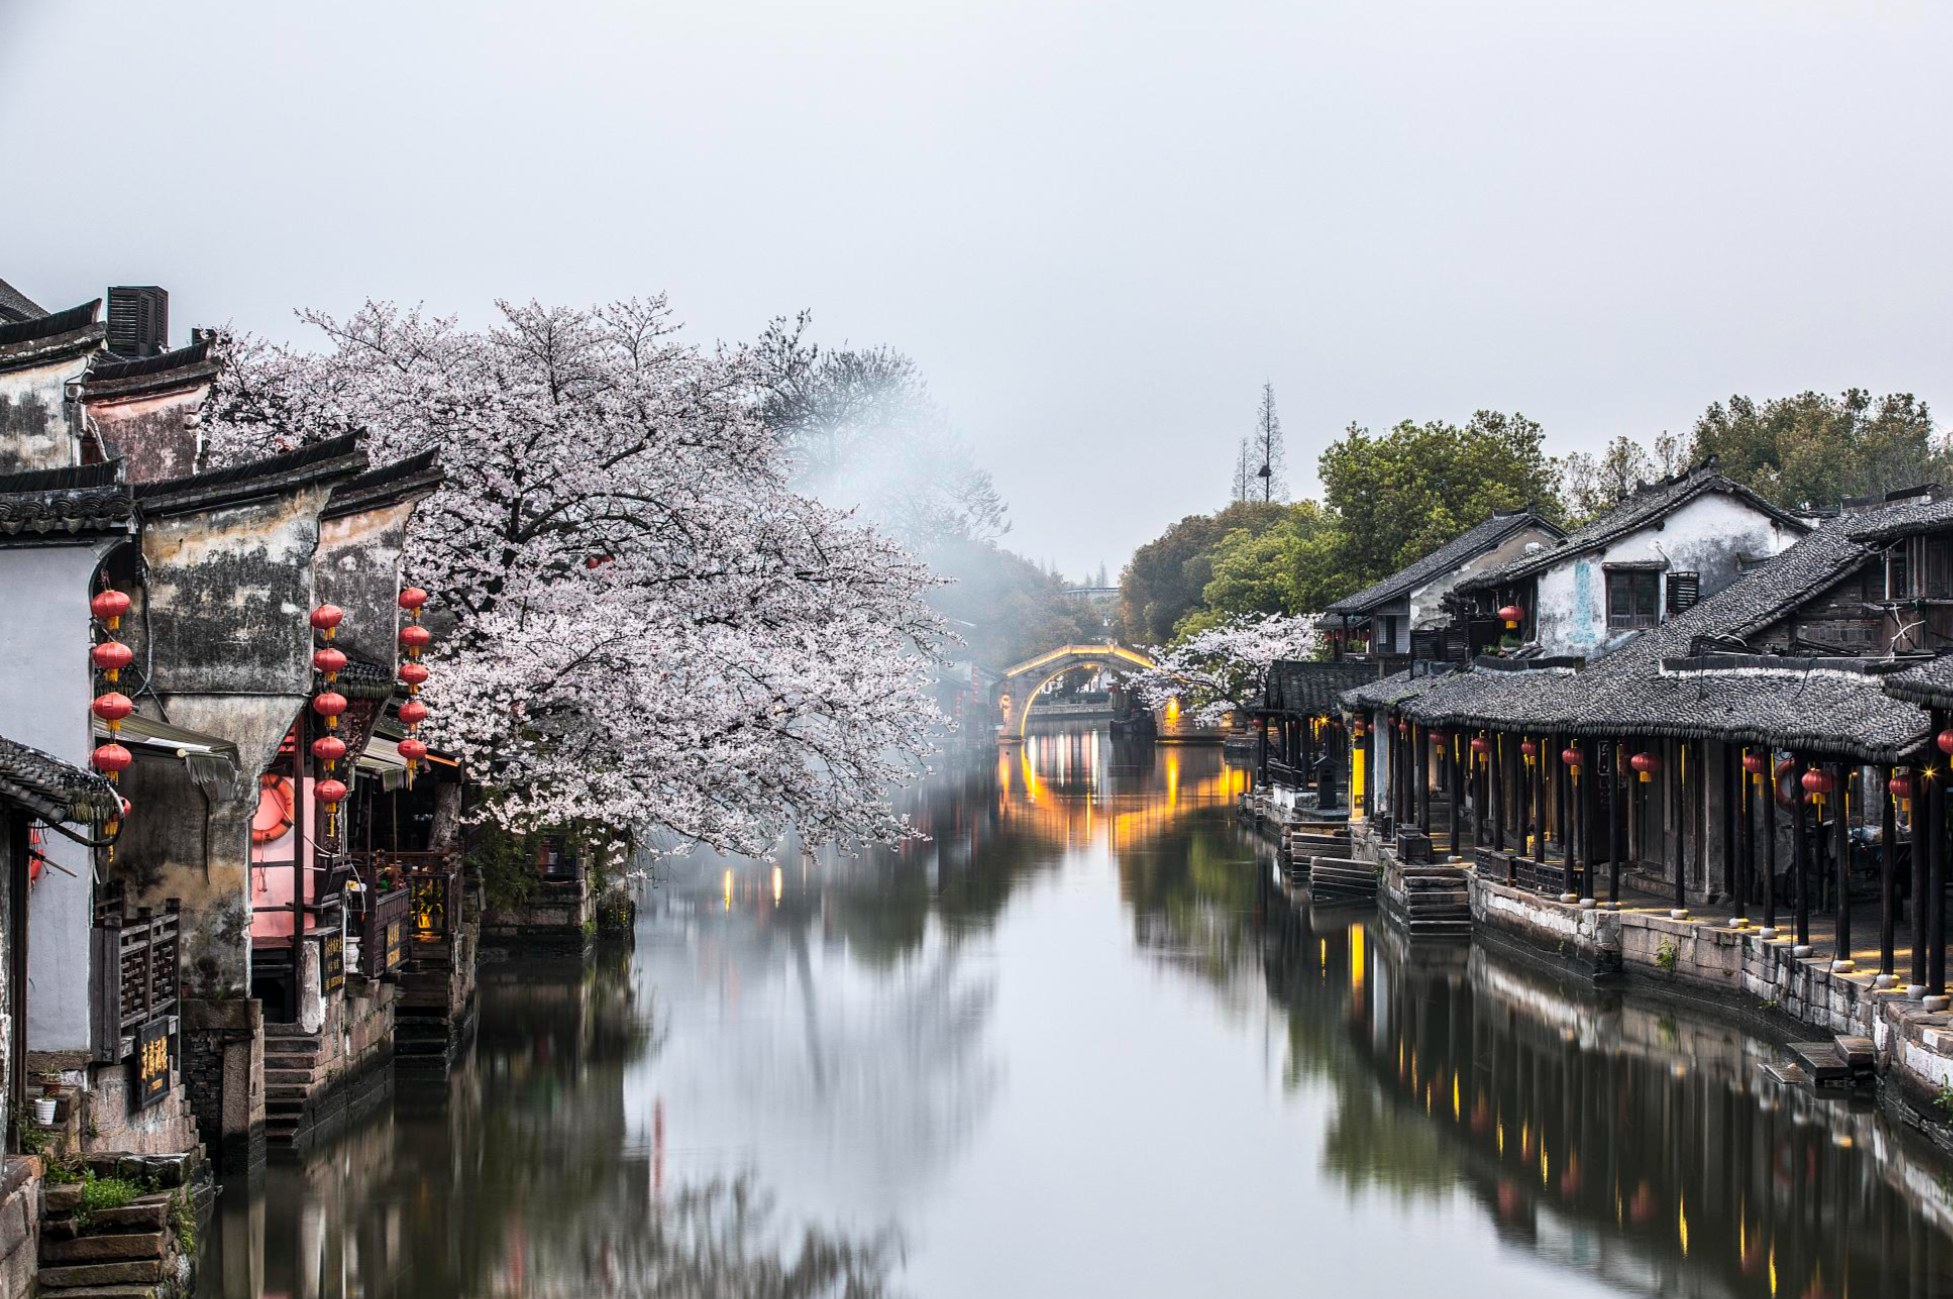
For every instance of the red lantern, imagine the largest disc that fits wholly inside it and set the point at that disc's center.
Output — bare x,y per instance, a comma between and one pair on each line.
109,606
413,713
330,792
329,661
1945,741
326,617
416,637
112,708
111,656
1755,763
1528,749
328,748
1512,615
1817,783
412,599
1646,765
1438,737
111,758
329,705
1900,785
1480,745
1360,729
413,673
1570,756
411,749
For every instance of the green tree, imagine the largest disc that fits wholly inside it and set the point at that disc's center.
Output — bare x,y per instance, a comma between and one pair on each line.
1416,487
1165,579
1813,449
1291,567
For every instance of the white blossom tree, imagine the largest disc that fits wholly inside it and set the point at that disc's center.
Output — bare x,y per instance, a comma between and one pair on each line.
641,623
1218,671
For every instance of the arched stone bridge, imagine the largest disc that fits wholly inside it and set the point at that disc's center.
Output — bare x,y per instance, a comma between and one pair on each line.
1018,690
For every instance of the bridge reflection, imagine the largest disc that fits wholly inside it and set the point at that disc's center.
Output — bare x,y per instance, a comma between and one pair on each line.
1082,788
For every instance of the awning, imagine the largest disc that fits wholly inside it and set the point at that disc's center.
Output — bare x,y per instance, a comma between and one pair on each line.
213,763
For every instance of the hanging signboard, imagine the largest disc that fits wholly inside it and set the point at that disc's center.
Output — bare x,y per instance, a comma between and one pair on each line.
152,1062
332,962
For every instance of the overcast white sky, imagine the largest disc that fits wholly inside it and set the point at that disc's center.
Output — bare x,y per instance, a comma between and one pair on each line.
1098,226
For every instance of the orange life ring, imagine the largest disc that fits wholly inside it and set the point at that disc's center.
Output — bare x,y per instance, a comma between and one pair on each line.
273,819
1786,781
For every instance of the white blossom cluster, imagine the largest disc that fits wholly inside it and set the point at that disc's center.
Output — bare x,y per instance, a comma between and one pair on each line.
638,621
1218,671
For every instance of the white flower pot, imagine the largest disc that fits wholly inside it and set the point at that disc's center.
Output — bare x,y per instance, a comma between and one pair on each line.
44,1111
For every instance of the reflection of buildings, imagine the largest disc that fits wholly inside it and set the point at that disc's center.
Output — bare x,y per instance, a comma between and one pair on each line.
1062,787
1622,1140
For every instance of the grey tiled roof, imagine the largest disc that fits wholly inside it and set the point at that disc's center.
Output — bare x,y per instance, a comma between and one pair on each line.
85,498
1388,692
337,458
53,790
1445,559
16,306
1305,688
1637,511
1929,684
1823,704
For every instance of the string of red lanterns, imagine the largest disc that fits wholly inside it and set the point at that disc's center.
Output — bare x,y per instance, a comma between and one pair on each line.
329,704
416,638
109,656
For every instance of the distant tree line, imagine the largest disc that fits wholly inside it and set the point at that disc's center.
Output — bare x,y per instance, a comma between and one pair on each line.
1388,498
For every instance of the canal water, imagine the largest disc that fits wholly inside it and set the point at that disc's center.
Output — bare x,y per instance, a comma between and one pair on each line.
1080,1044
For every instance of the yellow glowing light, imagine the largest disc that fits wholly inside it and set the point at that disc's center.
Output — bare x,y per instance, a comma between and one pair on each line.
1356,954
779,882
1499,1136
1455,1110
728,887
1682,1224
1542,1163
1172,710
1773,1267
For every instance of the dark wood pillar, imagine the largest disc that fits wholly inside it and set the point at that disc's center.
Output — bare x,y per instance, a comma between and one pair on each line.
1769,781
1495,776
1726,788
1617,845
1677,812
1452,754
1589,810
1801,854
1936,881
1841,848
1745,837
1421,758
1539,799
1888,900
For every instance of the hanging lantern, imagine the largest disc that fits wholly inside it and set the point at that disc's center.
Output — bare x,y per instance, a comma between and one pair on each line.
109,606
330,662
1527,749
1571,757
1439,737
112,708
1945,741
412,598
114,824
413,713
1360,729
326,618
1817,783
1512,615
329,705
414,674
1645,765
328,749
1480,745
331,792
111,759
110,657
1900,785
416,638
1755,763
412,750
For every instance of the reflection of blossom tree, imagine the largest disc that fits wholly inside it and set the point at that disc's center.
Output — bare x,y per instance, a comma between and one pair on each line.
719,1240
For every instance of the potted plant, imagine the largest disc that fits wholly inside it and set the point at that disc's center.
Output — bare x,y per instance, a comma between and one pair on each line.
46,1103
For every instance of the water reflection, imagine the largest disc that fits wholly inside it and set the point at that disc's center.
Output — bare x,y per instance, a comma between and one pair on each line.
1076,1043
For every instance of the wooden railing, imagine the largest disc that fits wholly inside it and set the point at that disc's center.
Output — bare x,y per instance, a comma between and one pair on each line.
137,975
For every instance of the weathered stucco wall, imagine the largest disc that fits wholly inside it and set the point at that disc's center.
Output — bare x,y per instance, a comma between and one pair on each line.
1707,536
37,422
158,435
1427,601
229,593
44,692
358,569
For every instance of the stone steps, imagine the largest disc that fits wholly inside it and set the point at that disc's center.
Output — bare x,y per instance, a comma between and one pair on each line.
1838,1063
1342,877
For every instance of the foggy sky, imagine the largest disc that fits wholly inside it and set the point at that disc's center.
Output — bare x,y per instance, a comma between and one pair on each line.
1097,226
